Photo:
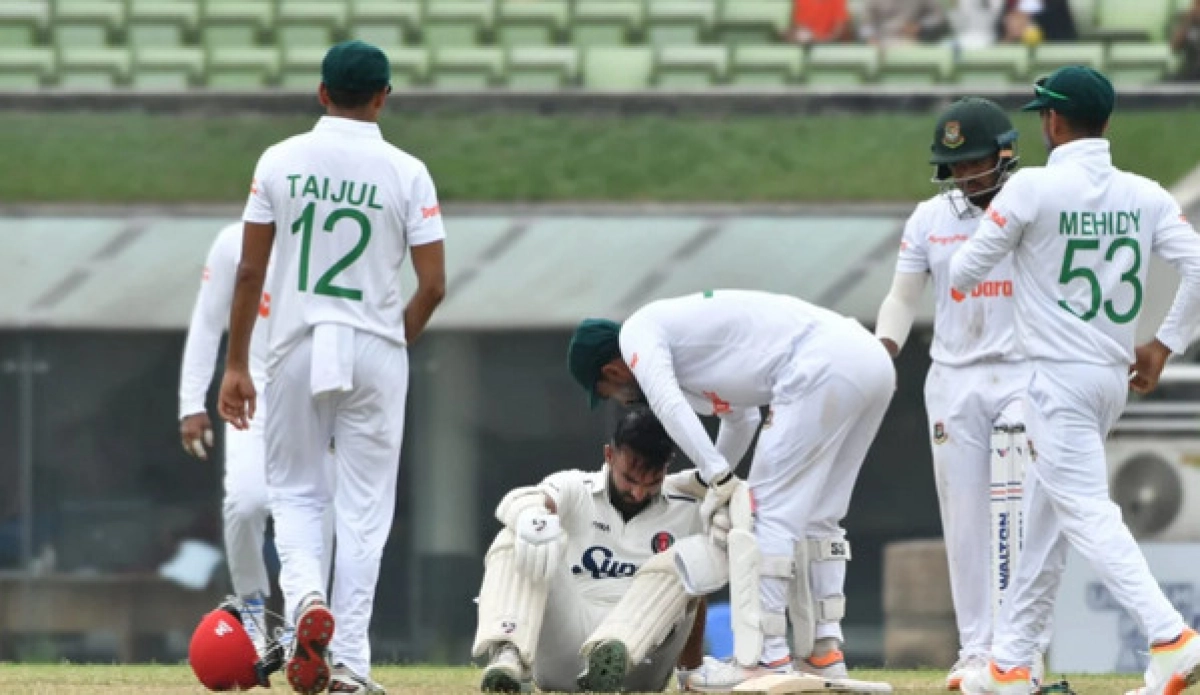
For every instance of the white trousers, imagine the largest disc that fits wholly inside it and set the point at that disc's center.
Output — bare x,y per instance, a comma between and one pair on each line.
963,405
1069,410
358,482
809,454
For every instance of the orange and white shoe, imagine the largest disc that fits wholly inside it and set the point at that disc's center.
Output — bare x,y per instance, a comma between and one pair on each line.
722,676
961,667
826,661
990,679
1174,666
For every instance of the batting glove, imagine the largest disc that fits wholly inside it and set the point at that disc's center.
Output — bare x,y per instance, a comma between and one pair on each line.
717,498
539,545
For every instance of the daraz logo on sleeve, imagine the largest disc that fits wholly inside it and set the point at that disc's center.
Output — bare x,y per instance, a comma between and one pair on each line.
994,214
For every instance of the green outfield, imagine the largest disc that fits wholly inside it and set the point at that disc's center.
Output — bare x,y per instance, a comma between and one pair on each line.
408,680
141,158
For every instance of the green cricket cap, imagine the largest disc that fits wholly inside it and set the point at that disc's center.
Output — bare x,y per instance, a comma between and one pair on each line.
1075,90
595,343
356,66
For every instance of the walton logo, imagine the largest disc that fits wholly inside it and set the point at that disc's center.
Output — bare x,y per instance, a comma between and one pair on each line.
599,562
1002,551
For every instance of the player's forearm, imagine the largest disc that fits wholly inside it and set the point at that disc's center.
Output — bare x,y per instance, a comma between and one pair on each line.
683,425
972,263
899,308
199,358
1183,319
420,308
736,433
242,315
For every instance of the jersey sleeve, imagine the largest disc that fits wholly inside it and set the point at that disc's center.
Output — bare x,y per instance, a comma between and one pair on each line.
999,233
259,208
914,255
209,316
424,215
1176,242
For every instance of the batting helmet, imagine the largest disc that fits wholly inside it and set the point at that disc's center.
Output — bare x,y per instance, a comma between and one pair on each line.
972,129
223,656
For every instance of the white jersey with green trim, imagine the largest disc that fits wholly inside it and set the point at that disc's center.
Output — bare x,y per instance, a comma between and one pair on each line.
346,206
967,328
1083,232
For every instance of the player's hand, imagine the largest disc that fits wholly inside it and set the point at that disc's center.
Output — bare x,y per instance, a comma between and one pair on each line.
238,398
717,498
197,435
1149,360
539,545
718,533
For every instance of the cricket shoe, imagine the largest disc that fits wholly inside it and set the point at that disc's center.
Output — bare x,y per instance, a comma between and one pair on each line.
506,672
826,660
989,679
308,667
682,674
1174,666
723,676
347,682
253,611
607,664
961,667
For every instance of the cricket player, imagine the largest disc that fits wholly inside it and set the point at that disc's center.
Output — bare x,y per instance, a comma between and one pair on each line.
978,376
1080,231
827,381
581,590
245,509
340,208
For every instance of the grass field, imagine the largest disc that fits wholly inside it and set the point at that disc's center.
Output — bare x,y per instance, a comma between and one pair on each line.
137,157
407,680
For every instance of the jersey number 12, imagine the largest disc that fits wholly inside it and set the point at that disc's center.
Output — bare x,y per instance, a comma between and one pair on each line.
304,227
1130,277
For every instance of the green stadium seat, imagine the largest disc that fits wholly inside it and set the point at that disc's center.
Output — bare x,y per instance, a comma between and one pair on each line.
310,22
1049,57
753,21
691,67
999,65
606,22
467,67
21,23
162,22
532,22
300,67
842,65
1133,19
918,64
385,22
167,68
618,67
92,67
1084,14
78,23
457,22
238,67
410,66
1139,63
766,66
26,68
542,67
235,23
672,22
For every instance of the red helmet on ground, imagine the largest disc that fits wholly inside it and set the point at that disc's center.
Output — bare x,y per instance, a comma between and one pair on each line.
222,655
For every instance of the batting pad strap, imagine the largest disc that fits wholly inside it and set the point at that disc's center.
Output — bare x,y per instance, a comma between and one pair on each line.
511,607
517,501
831,609
779,566
830,549
774,624
702,567
654,603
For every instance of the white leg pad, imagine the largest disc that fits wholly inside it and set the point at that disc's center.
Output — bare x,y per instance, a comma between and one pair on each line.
645,615
745,602
805,610
511,607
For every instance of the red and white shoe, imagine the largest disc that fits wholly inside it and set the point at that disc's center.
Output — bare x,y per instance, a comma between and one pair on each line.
308,667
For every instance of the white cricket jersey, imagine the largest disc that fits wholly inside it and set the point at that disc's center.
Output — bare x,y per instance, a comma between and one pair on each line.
604,551
722,352
210,318
1083,232
966,328
346,206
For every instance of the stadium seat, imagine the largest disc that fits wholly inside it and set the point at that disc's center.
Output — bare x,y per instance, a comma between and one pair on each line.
1049,57
672,22
1143,19
1083,12
753,21
21,23
410,66
606,22
457,22
385,22
300,67
235,23
162,22
766,66
528,23
160,67
467,67
1139,63
310,22
78,23
542,67
26,68
618,68
921,64
691,67
93,67
237,67
999,65
842,65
